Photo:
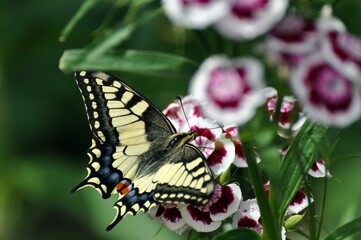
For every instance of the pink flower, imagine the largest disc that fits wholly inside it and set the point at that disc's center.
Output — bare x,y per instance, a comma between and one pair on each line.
290,120
247,19
291,40
318,169
170,216
299,202
327,95
195,14
229,89
224,203
175,114
342,50
248,216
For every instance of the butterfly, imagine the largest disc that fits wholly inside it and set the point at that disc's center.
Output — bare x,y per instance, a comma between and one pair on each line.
136,152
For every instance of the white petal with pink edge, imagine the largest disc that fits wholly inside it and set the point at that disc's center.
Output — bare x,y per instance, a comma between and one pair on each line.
222,156
195,14
228,203
249,19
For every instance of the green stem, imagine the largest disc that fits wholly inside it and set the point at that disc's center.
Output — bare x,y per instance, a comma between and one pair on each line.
270,228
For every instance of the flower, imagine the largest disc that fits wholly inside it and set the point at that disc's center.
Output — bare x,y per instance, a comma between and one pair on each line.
342,50
195,14
224,203
299,202
175,114
170,216
291,40
247,19
318,169
327,95
290,120
230,90
248,216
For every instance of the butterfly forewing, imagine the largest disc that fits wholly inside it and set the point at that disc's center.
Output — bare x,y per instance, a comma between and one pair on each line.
130,154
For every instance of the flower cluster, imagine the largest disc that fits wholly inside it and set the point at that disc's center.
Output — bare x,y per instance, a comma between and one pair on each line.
324,67
322,60
234,19
318,58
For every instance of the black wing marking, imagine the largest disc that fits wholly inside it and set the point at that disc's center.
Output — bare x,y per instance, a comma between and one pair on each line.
186,179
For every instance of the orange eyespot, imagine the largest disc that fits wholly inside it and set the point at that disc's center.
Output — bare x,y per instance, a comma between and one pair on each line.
123,187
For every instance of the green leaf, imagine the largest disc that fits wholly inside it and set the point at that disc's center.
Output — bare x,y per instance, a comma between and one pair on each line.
295,165
238,234
346,230
84,8
117,35
134,61
270,228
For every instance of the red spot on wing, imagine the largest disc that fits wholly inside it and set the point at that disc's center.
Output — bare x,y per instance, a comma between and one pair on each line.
124,187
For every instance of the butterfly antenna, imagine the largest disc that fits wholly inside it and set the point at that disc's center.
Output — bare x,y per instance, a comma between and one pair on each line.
184,112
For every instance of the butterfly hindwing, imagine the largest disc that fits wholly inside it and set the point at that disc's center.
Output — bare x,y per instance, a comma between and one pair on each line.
101,175
136,151
186,179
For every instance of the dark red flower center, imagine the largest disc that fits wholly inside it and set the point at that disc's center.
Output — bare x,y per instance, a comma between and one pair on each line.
346,47
227,87
247,8
329,88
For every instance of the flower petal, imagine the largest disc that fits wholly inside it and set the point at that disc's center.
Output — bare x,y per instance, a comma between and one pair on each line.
249,19
248,216
318,170
299,202
227,204
195,14
222,156
199,220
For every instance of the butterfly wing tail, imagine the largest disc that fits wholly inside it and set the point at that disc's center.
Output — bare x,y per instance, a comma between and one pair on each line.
131,204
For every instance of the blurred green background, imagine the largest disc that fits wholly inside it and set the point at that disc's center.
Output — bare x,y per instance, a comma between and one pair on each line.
44,134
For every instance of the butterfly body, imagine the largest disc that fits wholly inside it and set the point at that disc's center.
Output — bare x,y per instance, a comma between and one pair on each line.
136,152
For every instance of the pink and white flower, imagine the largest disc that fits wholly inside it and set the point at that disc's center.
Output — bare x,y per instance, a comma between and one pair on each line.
229,90
248,19
299,202
340,48
170,216
248,216
290,120
327,95
195,14
175,114
224,203
292,40
318,169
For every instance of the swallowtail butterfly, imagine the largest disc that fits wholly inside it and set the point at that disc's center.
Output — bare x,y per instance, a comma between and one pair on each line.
136,152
